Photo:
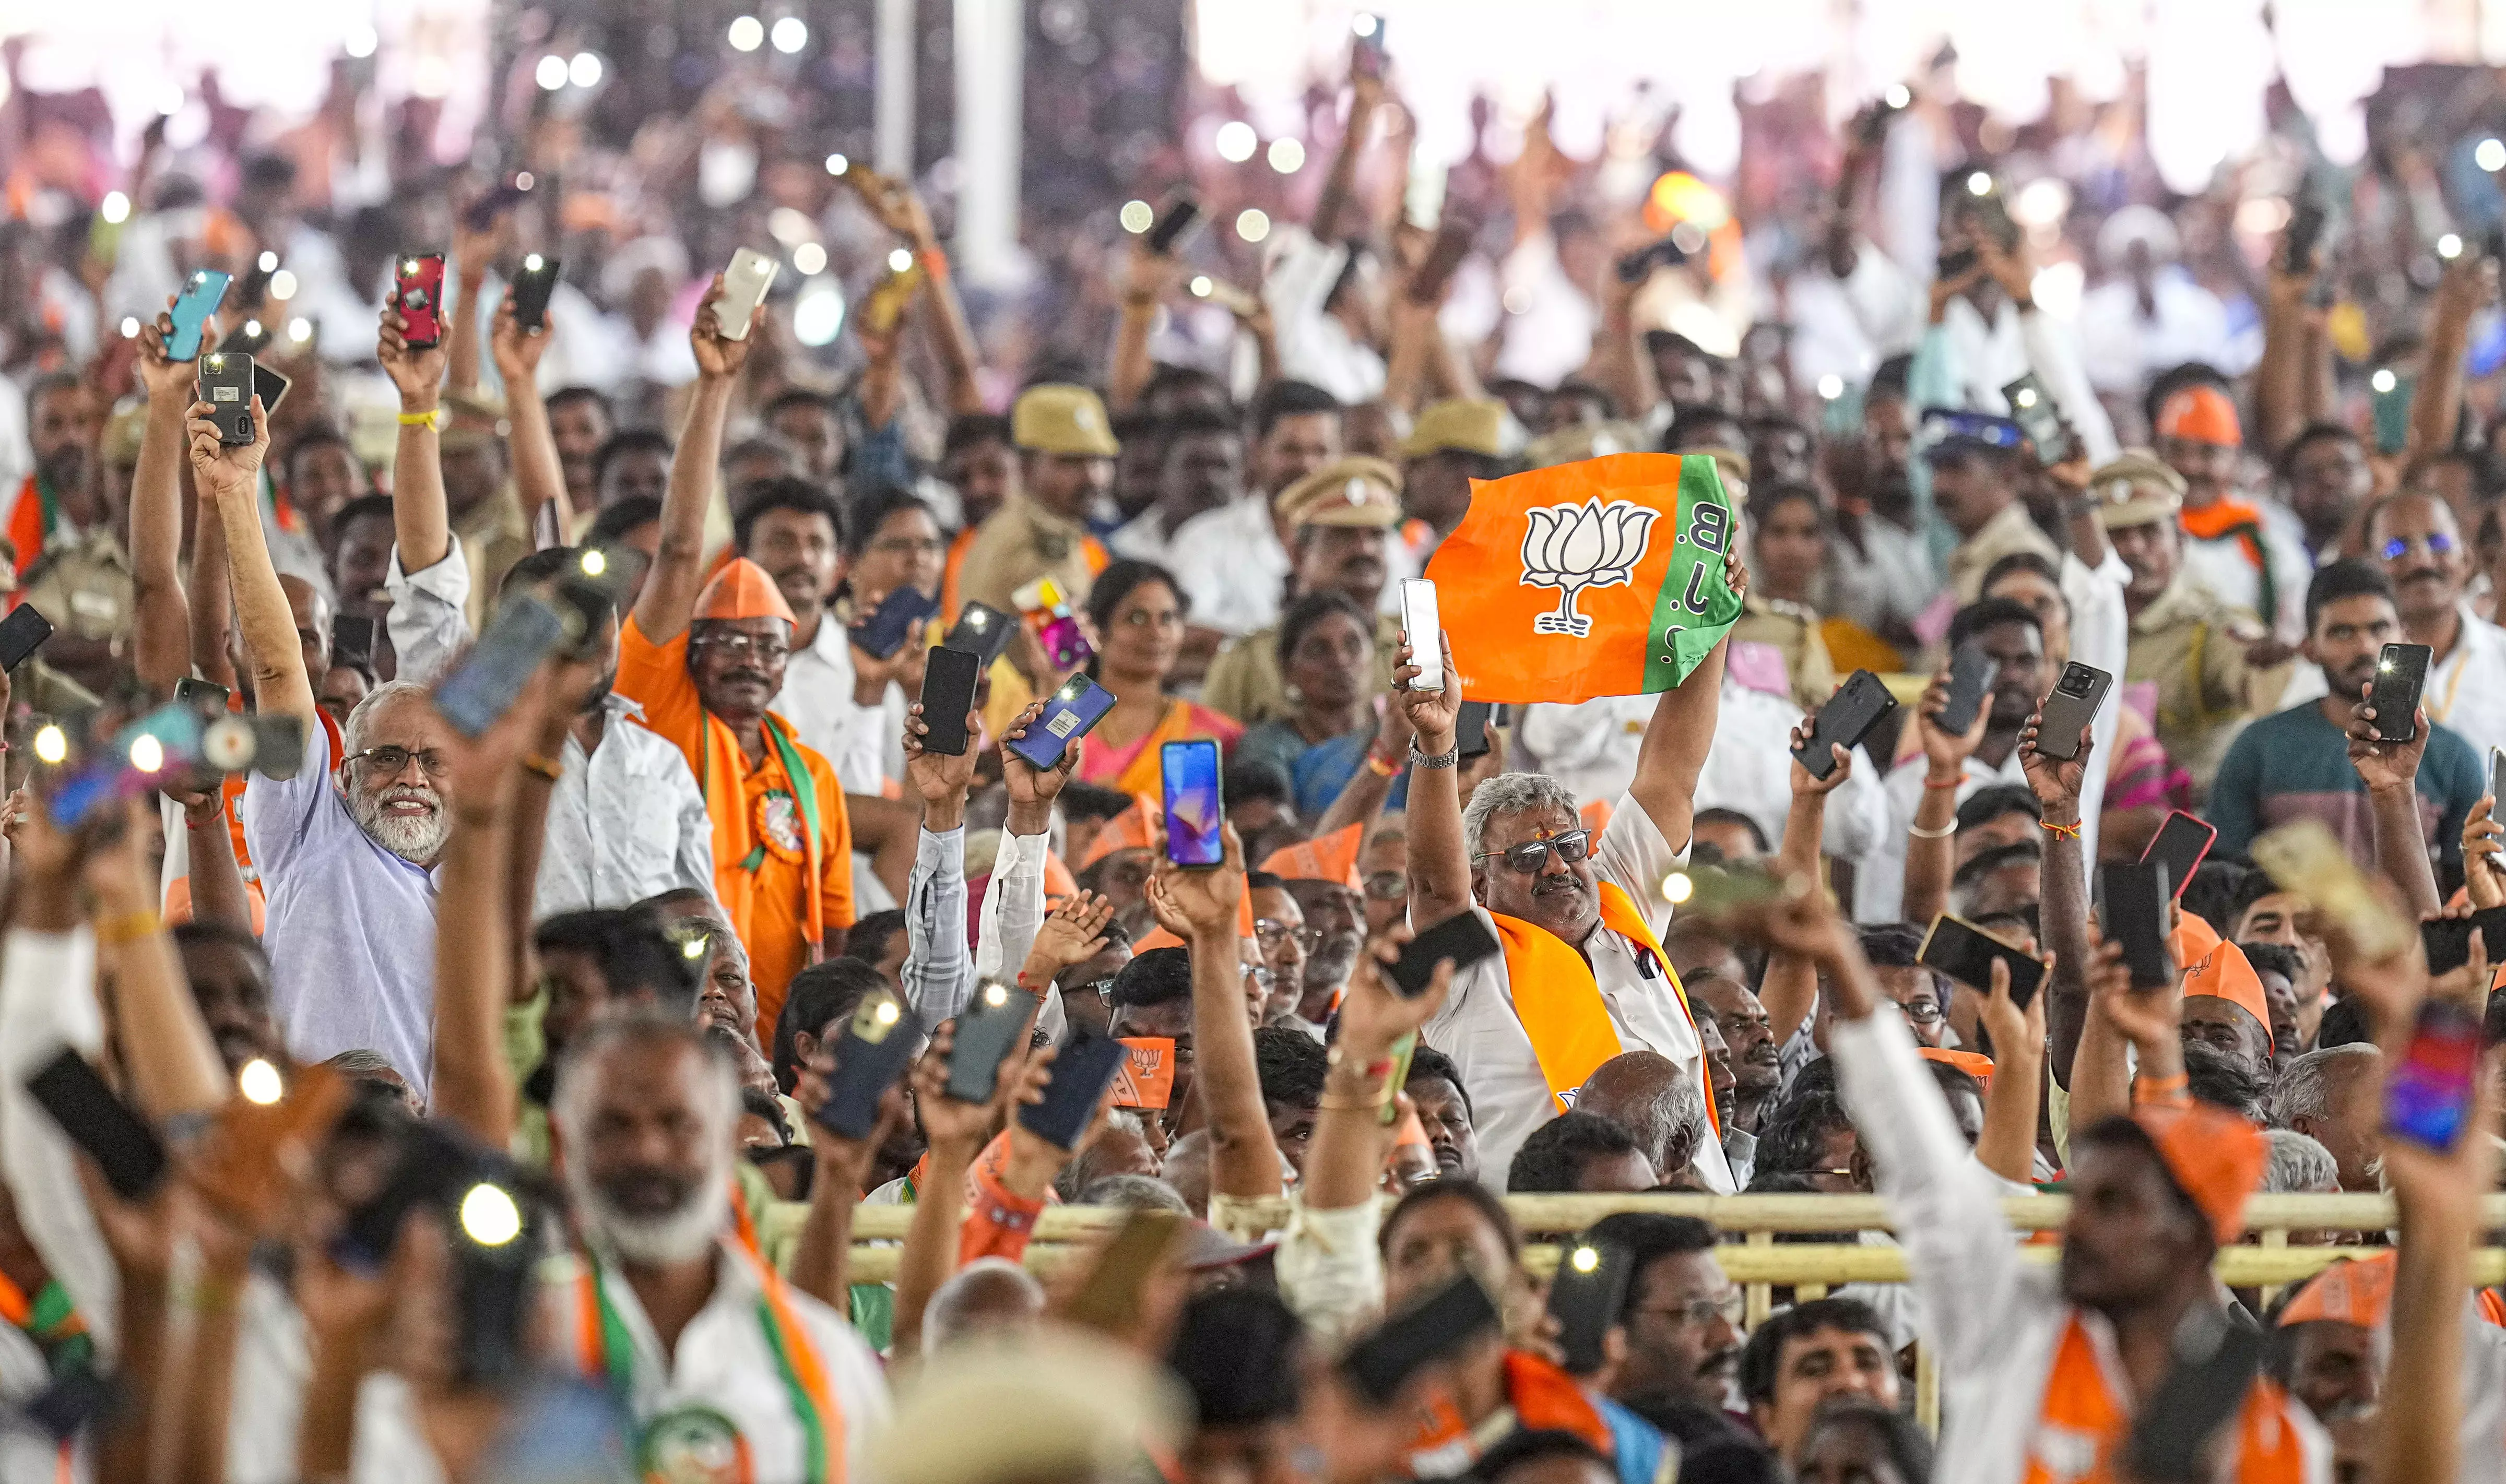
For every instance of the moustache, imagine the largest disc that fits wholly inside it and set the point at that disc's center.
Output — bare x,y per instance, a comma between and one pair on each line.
746,675
2423,574
1551,885
406,793
647,1192
1764,1053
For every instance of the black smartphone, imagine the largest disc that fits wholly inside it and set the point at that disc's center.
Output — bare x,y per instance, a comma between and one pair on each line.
205,697
22,634
1584,1297
1084,1067
1966,953
949,680
981,631
1956,265
882,633
269,386
1189,778
352,640
1068,715
2068,710
1367,57
1461,938
426,1165
1385,1360
2447,940
1844,721
2135,914
1182,210
2181,844
2401,674
490,677
96,1120
1638,265
532,286
2306,222
2202,1390
2033,408
870,1056
2497,778
994,1024
492,203
1471,727
1971,674
496,1257
226,385
249,339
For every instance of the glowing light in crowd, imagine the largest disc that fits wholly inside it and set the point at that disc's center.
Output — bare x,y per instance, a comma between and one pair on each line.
810,258
116,208
790,225
524,180
1199,286
1585,1259
490,1216
1979,184
1287,156
791,34
172,100
818,313
899,260
1676,888
130,327
259,1083
299,328
583,71
1831,386
1234,141
838,164
747,33
2382,381
1252,223
52,746
550,74
252,330
1683,197
1364,24
268,262
147,754
282,284
594,561
887,1013
1137,216
2449,247
1898,96
2489,155
362,42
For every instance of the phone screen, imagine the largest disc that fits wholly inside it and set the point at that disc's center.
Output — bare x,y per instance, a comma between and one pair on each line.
128,1151
1844,721
1191,803
948,679
2135,914
491,678
1381,1363
1421,628
2427,1098
2401,672
2180,845
1966,953
1461,938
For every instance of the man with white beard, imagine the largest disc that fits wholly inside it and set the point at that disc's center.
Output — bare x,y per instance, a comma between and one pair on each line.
711,1354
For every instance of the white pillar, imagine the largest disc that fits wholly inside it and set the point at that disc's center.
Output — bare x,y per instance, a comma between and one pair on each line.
991,46
898,57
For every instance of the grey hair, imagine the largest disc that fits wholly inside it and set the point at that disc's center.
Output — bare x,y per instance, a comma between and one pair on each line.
971,1299
1511,793
2304,1086
570,1105
1676,1104
1134,1192
352,737
1076,1175
2297,1165
361,1062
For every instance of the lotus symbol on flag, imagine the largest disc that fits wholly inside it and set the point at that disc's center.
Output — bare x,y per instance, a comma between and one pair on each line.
1574,547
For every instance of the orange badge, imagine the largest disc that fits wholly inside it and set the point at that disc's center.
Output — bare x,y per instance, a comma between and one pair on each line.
1146,1076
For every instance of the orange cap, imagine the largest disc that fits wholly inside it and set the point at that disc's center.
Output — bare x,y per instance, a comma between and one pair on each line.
1130,829
2202,415
2213,1155
2192,938
1974,1064
2225,974
2357,1292
741,590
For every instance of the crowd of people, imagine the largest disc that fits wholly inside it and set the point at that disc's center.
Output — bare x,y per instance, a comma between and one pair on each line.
482,1092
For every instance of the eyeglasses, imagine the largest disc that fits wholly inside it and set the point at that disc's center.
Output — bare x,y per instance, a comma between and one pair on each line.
1387,886
744,645
1270,930
1532,856
1102,989
2438,543
1259,978
1922,1013
1728,1306
392,759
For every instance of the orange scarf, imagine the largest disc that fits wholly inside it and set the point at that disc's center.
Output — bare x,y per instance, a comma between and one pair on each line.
1559,1003
2227,519
1539,1396
2084,1417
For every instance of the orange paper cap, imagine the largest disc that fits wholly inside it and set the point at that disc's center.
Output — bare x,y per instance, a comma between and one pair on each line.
741,590
2359,1292
1130,829
2202,415
2225,974
1974,1064
2213,1155
1146,1077
2192,938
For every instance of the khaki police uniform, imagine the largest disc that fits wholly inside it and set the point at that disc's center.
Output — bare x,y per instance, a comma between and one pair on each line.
1245,680
1023,540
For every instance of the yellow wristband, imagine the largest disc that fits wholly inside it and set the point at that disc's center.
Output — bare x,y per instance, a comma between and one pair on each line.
129,927
432,418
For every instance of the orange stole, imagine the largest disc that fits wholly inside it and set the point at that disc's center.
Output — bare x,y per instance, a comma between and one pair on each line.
2083,1419
1542,1397
1559,1003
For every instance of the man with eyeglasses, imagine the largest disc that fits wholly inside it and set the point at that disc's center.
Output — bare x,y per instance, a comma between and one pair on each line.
1681,1321
705,660
1280,935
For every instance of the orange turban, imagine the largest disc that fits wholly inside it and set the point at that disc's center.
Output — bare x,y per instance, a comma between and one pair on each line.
2213,1155
2202,415
2357,1292
741,590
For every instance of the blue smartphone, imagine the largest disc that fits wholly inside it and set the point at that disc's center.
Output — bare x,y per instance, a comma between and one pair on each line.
1080,704
200,297
883,632
490,677
1193,813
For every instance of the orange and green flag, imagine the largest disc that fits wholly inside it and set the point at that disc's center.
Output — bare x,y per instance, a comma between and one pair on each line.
1597,578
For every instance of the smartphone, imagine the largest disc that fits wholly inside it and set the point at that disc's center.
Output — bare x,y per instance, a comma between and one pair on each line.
1462,937
1955,266
2401,673
1965,952
1085,1066
192,311
2181,844
948,678
1181,212
1710,890
1109,1300
2307,219
744,288
269,386
205,697
1638,265
532,287
22,634
1584,1297
1385,1360
425,1164
96,1120
2390,393
494,1289
269,744
1068,715
1404,1051
870,1056
980,631
2496,776
1873,126
2204,1385
2068,709
249,339
993,1025
884,305
420,278
1423,190
2135,914
1419,626
1367,57
1971,674
2306,858
882,633
1225,295
2033,408
2428,1097
1857,706
490,677
226,385
1444,258
1065,643
1471,727
1190,771
352,640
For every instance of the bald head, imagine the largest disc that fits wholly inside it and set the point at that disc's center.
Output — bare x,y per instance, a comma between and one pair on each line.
1645,1093
989,1297
313,615
1187,1169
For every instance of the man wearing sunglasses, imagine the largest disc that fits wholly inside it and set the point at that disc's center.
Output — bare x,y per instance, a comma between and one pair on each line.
1578,913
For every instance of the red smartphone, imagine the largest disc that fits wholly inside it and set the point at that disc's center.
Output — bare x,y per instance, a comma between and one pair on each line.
419,279
2181,842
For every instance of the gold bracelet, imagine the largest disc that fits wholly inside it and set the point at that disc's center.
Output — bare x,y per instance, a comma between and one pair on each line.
431,419
539,766
129,928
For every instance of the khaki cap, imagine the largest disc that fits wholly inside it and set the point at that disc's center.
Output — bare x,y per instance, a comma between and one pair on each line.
1354,491
1458,425
2136,487
1584,440
1057,418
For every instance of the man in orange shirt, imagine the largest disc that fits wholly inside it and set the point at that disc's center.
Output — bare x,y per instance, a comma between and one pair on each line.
706,666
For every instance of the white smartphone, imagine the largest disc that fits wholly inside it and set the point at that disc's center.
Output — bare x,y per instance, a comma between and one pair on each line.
2496,763
744,288
1426,639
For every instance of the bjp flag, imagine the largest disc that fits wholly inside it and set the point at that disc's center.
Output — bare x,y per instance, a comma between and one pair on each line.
1597,578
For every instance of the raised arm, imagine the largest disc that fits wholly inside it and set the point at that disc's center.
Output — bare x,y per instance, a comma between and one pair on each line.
1440,859
231,479
1345,1159
1147,281
2063,918
2391,772
173,1063
2438,1198
2279,376
939,965
474,252
1201,907
420,521
218,891
161,636
210,596
2436,402
955,1132
670,596
1789,988
1365,94
1931,841
539,478
1682,732
898,206
2007,1146
1619,362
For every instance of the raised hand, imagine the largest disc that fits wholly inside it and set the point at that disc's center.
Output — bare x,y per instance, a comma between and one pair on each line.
418,372
221,469
1805,784
1204,900
2480,866
1433,714
516,352
1372,1013
2146,1017
2383,763
718,356
947,1123
2055,781
2014,1032
161,377
1072,932
937,778
1028,783
1946,751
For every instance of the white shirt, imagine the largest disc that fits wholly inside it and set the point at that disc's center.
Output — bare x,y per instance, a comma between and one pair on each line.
2121,350
1231,564
1481,1031
817,699
1845,327
2465,690
1880,886
1143,538
1313,345
1895,579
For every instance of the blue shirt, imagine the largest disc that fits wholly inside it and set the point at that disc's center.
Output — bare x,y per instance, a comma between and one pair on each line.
2293,765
